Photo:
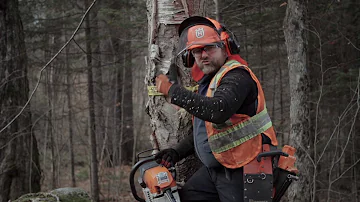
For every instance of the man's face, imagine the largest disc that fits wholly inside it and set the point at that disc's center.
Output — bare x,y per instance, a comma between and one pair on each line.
209,58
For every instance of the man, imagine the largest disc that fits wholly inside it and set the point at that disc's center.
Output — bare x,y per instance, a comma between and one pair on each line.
230,120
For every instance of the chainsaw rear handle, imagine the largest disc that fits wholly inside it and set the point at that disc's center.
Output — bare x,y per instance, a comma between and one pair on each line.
271,153
132,175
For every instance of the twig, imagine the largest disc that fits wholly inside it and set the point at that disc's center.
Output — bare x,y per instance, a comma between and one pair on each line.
354,120
349,40
47,64
353,165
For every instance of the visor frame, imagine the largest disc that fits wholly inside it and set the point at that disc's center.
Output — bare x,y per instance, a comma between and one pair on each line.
218,44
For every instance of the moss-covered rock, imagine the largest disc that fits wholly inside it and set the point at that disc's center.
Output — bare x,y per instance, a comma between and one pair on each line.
35,197
68,194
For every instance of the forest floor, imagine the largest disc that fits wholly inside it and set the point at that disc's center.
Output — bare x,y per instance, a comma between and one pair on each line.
114,182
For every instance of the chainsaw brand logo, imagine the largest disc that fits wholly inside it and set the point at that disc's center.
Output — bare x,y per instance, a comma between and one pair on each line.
199,32
162,178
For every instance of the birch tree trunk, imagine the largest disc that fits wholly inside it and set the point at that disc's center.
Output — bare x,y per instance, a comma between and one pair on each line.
296,42
168,124
19,157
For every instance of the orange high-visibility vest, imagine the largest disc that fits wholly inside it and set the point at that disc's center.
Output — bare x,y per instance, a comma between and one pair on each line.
238,141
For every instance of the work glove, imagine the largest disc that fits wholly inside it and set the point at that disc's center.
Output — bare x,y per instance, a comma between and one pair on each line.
167,157
163,84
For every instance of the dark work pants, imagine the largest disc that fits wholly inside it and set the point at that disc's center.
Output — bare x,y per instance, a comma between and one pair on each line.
211,184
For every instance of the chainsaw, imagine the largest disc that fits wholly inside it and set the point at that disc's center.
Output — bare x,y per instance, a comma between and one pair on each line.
157,182
266,178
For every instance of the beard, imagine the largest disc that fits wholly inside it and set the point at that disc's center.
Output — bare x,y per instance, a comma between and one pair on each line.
208,68
210,65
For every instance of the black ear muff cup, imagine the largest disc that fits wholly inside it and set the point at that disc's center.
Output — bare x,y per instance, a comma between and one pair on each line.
188,59
232,42
233,46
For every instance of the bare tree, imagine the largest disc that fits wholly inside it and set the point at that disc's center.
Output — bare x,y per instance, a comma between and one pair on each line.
296,42
125,95
217,10
94,163
19,157
70,118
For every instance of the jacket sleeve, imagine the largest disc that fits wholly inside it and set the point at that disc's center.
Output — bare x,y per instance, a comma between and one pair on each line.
230,95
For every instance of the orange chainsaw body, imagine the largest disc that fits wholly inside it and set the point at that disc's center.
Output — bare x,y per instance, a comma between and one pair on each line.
158,178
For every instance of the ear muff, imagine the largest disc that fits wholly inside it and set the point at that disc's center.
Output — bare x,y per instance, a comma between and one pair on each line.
188,59
231,41
233,45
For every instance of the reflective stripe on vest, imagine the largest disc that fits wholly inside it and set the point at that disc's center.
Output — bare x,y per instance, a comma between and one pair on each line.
240,133
213,85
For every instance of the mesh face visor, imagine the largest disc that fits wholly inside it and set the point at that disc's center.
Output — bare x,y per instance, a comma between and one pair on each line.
197,36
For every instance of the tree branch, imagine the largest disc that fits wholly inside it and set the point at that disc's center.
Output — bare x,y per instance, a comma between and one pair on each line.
47,64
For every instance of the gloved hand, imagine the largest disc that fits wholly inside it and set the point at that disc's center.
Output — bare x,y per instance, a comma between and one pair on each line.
163,84
167,157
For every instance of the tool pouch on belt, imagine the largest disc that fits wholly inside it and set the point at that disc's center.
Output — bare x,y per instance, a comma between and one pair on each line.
267,177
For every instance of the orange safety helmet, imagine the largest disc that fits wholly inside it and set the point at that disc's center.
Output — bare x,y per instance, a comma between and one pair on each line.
200,35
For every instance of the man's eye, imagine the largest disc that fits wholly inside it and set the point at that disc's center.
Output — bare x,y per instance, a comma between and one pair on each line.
196,51
206,48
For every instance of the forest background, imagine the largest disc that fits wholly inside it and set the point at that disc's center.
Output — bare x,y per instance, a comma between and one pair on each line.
89,112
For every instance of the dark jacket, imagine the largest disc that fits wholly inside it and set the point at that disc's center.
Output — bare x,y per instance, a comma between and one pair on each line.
236,93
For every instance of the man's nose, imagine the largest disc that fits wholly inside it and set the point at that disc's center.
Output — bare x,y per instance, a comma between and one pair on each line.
204,53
